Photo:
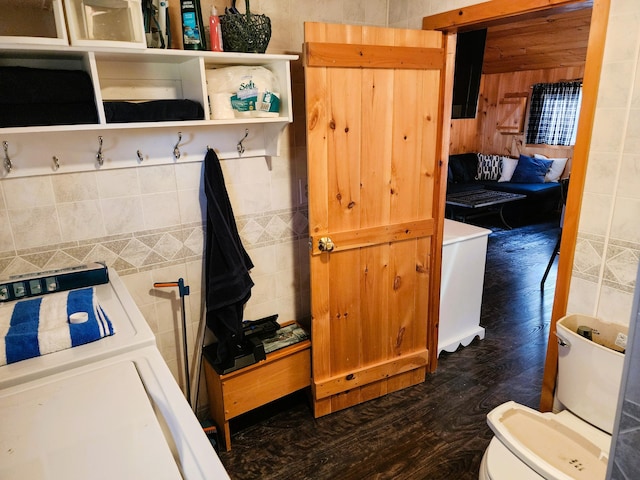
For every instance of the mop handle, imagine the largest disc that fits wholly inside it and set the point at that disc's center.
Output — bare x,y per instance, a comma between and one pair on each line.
182,290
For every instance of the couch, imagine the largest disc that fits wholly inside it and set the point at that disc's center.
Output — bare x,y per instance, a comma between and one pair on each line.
536,177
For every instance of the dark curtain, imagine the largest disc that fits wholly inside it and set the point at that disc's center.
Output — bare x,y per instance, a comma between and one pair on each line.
553,116
227,265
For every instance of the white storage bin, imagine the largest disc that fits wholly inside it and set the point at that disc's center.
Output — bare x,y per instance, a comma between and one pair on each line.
35,22
110,23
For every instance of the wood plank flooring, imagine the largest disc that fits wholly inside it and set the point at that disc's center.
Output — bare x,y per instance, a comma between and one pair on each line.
435,430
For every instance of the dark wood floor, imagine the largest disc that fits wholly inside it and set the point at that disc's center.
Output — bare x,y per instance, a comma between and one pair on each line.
435,430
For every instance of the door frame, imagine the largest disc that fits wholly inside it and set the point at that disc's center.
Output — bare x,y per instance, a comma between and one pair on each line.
503,11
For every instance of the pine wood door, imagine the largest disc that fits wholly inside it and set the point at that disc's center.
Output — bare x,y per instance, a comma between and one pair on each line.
374,107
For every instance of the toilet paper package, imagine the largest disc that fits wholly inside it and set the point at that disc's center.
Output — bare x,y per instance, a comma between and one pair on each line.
245,91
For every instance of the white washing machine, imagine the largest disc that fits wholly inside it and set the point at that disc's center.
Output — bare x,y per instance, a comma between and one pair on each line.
132,332
104,410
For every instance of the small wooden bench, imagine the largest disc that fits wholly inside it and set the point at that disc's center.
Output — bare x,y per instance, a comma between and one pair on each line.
283,372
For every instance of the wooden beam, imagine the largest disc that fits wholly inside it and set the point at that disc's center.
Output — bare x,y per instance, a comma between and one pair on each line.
318,54
495,12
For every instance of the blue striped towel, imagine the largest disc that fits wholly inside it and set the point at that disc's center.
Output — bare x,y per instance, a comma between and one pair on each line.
34,327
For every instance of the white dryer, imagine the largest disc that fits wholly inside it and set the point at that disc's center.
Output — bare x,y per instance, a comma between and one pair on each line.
108,409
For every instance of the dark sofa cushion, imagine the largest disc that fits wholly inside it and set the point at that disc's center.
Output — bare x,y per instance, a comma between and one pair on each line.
530,170
529,189
463,167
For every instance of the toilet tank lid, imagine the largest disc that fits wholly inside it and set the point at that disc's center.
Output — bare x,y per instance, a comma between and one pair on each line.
548,446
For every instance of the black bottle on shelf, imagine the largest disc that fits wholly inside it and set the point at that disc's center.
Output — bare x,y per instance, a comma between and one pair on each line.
193,35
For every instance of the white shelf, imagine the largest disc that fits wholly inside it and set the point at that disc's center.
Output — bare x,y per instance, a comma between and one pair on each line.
140,75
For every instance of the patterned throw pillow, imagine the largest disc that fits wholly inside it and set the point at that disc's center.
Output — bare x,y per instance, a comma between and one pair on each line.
489,167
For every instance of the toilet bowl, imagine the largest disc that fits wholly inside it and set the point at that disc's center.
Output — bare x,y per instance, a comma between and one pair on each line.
573,443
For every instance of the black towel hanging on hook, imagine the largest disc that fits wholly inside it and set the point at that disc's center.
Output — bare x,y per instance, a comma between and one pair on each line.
227,265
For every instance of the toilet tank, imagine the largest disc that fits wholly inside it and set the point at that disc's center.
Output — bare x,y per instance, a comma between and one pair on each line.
590,371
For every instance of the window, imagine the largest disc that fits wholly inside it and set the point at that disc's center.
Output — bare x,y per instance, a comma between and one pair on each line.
553,118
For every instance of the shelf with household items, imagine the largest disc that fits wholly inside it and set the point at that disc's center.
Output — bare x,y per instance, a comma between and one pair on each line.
136,76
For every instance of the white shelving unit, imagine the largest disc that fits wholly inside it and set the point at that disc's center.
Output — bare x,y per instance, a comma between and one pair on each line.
139,75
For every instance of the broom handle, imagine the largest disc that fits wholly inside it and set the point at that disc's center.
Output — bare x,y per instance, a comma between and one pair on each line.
246,5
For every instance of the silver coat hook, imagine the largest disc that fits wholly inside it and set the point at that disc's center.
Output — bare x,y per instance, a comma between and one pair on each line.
176,150
99,155
7,161
240,146
140,157
56,163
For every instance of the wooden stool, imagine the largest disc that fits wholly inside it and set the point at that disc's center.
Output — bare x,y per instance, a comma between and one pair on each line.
283,372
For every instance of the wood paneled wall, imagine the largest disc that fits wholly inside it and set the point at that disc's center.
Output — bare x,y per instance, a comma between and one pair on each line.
481,135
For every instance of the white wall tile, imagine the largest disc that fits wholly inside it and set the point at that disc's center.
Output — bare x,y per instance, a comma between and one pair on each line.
623,7
264,260
254,197
159,178
118,183
602,173
122,215
29,192
139,285
262,293
624,224
192,205
621,42
75,187
6,237
189,176
583,297
35,227
608,130
628,184
354,11
614,305
635,95
80,220
160,210
595,213
616,84
632,139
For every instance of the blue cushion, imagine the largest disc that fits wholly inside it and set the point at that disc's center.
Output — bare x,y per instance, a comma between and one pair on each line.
531,170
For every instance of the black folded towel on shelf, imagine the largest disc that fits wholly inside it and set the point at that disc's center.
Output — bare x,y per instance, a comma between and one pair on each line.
31,115
153,111
40,85
40,96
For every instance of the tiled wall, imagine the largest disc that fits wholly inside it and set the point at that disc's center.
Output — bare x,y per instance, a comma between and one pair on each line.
147,224
608,247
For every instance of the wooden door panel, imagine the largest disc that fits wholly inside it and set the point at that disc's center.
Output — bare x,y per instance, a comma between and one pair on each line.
373,145
374,298
344,95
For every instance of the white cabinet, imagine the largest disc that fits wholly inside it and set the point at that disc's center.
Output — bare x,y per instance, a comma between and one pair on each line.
140,75
464,253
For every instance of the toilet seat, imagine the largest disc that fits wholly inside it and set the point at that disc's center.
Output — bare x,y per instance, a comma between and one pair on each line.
543,445
498,463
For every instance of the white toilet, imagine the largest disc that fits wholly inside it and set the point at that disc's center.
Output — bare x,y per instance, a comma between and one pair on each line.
573,443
